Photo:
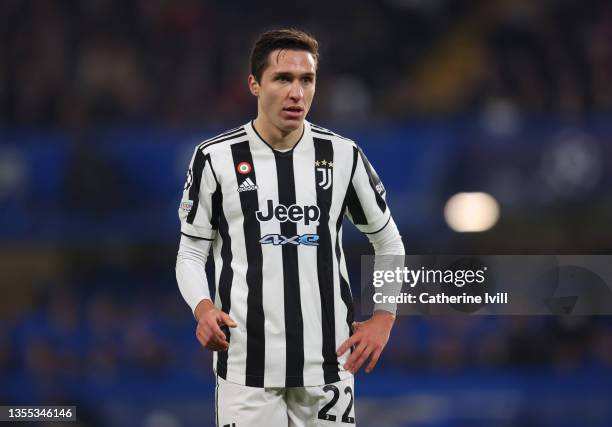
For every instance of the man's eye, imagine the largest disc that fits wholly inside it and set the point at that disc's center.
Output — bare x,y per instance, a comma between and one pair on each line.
283,78
307,79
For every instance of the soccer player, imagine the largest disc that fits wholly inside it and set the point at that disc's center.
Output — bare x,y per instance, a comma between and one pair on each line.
269,197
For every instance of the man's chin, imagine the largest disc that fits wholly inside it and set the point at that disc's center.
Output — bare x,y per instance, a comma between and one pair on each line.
288,126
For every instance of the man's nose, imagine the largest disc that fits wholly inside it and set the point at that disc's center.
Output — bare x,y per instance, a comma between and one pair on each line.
297,92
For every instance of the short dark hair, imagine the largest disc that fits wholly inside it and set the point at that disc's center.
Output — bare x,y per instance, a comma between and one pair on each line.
287,38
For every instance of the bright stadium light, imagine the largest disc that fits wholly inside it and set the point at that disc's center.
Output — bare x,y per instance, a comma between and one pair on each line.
471,212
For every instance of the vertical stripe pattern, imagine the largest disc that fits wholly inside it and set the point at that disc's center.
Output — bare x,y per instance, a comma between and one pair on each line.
275,219
225,285
249,203
374,181
345,288
325,268
294,325
199,162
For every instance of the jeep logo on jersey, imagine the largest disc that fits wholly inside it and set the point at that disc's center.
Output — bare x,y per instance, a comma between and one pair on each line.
293,213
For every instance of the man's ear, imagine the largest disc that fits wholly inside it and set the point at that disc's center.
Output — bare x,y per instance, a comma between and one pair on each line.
253,85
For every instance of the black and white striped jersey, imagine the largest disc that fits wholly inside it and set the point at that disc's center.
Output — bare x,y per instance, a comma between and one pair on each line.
275,219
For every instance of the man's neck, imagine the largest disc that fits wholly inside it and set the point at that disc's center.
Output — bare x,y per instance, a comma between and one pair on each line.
275,137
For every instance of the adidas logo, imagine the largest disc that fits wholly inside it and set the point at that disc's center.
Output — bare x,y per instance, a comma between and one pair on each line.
247,185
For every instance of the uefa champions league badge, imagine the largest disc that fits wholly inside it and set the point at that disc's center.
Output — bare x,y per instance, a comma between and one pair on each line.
187,205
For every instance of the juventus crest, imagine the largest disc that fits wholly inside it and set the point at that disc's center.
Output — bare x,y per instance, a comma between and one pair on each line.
324,173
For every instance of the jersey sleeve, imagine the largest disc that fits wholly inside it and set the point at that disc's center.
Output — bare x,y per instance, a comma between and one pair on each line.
200,204
366,205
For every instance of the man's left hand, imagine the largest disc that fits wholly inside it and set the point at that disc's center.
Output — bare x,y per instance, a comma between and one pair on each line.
369,339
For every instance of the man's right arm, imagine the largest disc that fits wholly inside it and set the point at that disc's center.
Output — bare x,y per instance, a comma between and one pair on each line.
192,282
191,273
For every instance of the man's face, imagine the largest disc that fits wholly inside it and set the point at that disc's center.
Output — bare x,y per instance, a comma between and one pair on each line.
286,88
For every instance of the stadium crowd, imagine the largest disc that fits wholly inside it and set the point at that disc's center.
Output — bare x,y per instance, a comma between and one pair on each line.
184,62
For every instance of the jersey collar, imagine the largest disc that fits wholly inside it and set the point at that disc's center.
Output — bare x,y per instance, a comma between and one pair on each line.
252,133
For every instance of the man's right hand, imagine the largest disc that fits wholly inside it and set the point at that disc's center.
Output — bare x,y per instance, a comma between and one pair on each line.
210,320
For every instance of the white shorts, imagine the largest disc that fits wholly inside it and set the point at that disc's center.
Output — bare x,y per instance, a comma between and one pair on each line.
326,405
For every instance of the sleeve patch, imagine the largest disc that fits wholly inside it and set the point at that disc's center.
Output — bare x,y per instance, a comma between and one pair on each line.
187,205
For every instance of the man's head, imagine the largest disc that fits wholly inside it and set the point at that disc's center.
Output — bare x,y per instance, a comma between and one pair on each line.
283,76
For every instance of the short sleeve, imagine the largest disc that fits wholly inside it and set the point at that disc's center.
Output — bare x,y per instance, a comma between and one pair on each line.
199,208
366,205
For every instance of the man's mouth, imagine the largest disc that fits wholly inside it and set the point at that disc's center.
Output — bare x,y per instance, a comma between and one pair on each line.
293,109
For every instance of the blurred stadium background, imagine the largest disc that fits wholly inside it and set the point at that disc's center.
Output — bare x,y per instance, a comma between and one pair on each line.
102,101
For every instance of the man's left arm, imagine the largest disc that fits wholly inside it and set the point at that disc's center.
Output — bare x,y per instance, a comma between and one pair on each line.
370,337
368,210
